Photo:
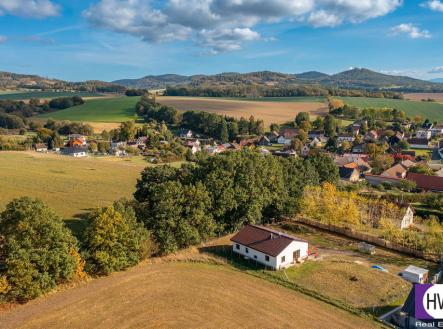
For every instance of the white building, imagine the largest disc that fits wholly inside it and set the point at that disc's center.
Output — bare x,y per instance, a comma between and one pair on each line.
283,140
76,152
415,274
408,218
424,134
268,247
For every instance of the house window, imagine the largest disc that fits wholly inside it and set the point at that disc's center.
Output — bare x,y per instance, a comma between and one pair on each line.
267,258
237,246
283,258
255,256
247,250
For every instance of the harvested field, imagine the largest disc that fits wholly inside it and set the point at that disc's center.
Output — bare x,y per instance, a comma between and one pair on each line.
419,96
269,112
179,295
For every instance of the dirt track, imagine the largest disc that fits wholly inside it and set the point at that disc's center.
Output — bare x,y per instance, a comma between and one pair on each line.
178,295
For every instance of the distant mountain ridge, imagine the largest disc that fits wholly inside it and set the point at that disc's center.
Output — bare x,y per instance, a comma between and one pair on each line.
358,78
10,80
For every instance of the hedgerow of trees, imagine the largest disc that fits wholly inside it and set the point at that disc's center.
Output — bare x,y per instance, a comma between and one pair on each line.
210,124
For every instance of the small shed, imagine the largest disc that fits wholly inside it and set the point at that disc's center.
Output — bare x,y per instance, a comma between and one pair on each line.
415,274
366,248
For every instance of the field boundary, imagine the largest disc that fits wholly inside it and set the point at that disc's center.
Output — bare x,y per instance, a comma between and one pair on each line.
353,234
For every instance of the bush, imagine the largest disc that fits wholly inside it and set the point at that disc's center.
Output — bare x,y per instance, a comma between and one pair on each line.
114,240
40,251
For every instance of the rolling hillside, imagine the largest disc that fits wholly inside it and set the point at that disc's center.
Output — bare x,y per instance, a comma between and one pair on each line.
351,79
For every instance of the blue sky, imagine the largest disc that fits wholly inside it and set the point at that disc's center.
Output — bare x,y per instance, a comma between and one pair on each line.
114,39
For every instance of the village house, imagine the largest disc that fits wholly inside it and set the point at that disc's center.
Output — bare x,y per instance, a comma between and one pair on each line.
272,136
77,140
41,147
371,136
271,248
185,133
76,152
345,137
287,135
396,171
425,182
349,174
419,143
319,141
264,141
395,139
316,134
359,148
437,131
424,133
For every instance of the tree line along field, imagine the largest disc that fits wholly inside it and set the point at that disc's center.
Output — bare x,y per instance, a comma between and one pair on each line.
70,186
25,95
427,110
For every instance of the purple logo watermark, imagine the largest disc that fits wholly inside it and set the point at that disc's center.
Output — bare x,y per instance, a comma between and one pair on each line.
429,301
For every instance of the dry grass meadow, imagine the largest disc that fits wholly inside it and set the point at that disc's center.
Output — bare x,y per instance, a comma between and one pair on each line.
419,96
70,186
178,295
269,112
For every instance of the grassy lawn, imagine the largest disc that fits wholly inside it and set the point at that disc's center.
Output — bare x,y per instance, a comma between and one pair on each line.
24,95
429,110
116,109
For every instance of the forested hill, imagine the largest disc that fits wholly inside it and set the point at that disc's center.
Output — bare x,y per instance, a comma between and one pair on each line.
16,81
351,79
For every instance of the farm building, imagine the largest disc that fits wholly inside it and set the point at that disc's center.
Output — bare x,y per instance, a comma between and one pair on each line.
268,247
415,274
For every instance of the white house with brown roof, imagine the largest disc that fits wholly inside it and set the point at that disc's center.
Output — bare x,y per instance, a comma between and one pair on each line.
268,247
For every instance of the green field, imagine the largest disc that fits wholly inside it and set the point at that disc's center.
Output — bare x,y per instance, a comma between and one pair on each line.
428,110
24,95
70,186
117,109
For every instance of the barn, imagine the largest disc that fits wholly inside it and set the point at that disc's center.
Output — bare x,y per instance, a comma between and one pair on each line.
268,247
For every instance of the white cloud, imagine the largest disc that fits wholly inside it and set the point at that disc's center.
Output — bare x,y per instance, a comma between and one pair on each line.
226,39
436,70
223,25
413,31
435,5
3,38
29,8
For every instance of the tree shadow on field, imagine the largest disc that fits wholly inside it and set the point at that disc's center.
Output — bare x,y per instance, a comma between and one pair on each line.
78,223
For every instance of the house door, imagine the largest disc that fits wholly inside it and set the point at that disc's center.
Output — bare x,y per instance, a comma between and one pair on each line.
296,255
